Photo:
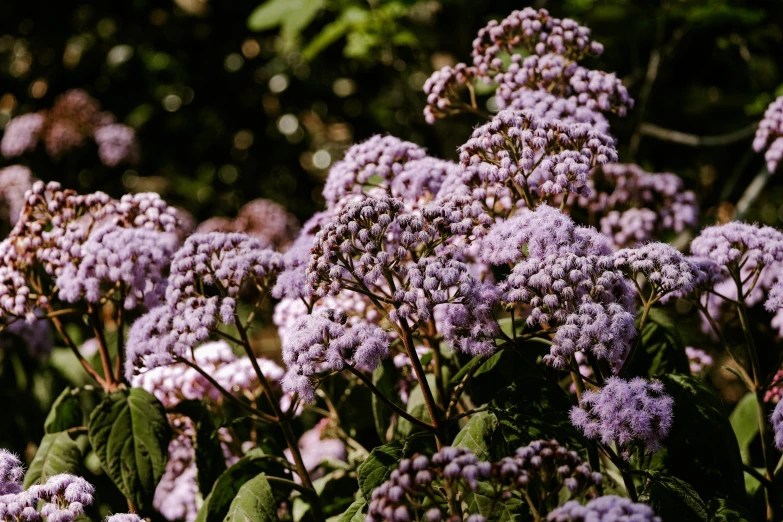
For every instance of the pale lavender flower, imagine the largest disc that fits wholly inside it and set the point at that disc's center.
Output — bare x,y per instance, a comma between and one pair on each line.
537,234
11,473
420,180
775,297
664,267
545,157
698,359
735,244
263,219
116,144
769,135
36,335
548,106
153,341
380,156
176,493
21,134
124,517
468,324
609,508
15,181
316,446
777,425
135,258
627,413
589,302
443,90
321,340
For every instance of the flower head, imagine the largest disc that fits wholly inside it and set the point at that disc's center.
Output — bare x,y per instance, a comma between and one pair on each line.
609,508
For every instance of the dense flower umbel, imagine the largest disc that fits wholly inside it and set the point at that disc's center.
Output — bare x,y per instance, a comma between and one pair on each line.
380,156
74,119
124,517
735,244
263,219
663,266
444,90
396,499
550,107
635,413
135,258
61,498
542,468
634,206
519,152
769,135
321,341
609,508
415,488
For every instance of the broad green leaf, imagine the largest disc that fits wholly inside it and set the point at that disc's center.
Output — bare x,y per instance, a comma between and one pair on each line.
675,499
58,453
66,413
702,449
292,15
484,501
378,467
210,461
477,435
354,513
228,484
130,434
744,422
254,503
336,490
722,510
417,407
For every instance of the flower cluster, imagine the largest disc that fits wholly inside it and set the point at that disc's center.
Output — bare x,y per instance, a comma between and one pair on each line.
320,341
568,281
609,508
769,135
777,425
552,48
413,480
316,446
627,413
540,470
15,181
74,118
663,266
262,219
61,498
739,244
698,359
634,206
518,155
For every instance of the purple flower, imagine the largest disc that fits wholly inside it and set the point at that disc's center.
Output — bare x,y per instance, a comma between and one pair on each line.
443,90
125,517
735,244
15,181
627,413
316,446
698,359
263,219
546,105
662,265
546,158
777,425
538,234
135,258
21,134
380,156
116,144
11,473
609,508
769,135
320,341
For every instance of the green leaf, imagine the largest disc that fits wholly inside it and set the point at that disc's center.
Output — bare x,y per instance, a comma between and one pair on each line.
417,407
66,413
477,435
378,467
484,502
384,377
661,350
328,35
58,453
210,461
675,499
228,484
130,433
354,512
744,422
702,449
254,502
291,15
722,510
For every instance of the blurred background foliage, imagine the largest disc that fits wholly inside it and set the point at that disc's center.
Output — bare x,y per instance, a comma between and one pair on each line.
238,100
